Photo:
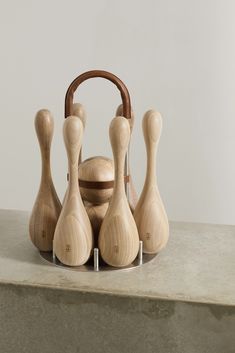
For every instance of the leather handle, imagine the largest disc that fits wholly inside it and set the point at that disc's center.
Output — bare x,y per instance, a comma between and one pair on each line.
103,74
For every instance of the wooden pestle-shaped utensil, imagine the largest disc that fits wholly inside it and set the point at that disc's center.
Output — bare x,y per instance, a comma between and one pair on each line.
150,214
47,206
118,238
133,197
73,241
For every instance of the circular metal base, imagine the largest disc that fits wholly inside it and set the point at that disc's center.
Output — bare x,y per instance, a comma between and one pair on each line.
89,266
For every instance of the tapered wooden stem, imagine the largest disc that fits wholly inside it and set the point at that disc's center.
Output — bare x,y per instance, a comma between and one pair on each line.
133,197
79,111
119,134
47,206
44,126
152,127
118,239
73,132
150,215
73,240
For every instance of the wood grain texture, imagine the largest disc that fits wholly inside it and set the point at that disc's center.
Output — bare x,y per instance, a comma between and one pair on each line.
131,121
79,111
118,238
133,196
73,240
96,214
47,206
150,214
97,168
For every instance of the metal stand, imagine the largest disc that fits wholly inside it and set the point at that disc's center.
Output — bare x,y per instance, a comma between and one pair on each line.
95,264
140,254
96,259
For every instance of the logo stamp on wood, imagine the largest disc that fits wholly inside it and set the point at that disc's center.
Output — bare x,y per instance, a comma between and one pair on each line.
68,248
116,249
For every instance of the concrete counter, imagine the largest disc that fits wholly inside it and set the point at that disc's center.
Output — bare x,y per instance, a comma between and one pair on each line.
183,301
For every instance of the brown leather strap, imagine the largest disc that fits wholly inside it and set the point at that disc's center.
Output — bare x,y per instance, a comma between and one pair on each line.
126,113
99,184
103,74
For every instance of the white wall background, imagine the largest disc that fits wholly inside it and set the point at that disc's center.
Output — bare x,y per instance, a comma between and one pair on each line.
175,56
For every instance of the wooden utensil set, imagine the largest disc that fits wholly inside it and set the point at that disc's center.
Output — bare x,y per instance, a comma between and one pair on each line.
101,213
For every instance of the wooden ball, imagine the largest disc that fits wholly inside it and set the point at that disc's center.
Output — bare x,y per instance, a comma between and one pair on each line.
96,169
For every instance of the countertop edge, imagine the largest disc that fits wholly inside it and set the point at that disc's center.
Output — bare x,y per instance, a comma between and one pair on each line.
84,290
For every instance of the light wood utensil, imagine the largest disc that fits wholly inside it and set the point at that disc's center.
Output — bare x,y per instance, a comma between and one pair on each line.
73,240
118,238
79,111
133,197
47,206
150,214
119,112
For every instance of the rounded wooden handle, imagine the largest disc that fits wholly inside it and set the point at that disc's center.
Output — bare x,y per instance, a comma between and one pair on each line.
103,74
44,126
152,127
73,133
119,135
